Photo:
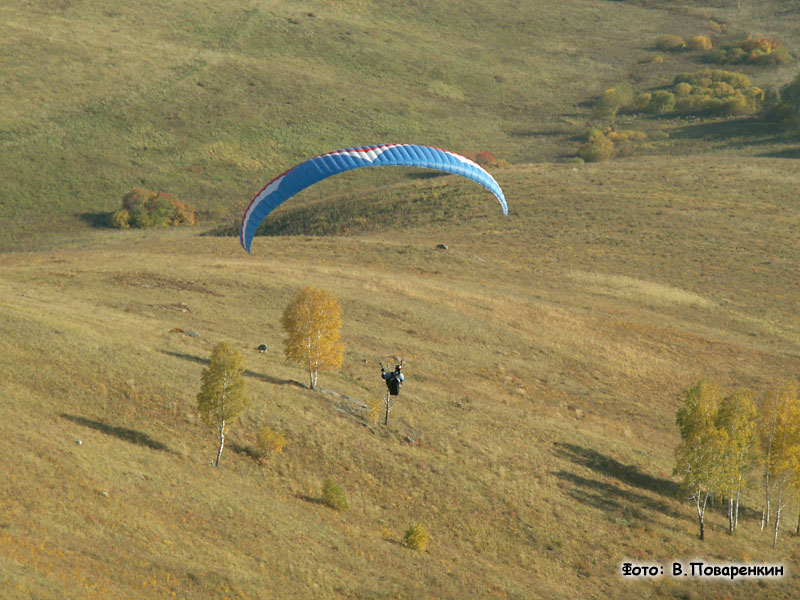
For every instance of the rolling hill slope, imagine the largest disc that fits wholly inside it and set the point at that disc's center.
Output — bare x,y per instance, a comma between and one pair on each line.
207,100
547,351
547,355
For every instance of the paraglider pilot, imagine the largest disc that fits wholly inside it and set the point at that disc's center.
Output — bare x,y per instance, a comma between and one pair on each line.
394,379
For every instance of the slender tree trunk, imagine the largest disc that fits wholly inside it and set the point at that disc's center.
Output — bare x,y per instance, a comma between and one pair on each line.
702,530
777,517
797,531
312,376
765,512
736,510
222,421
767,460
730,515
386,416
701,511
221,441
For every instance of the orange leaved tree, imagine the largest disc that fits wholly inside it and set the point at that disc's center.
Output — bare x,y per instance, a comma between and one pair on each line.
312,322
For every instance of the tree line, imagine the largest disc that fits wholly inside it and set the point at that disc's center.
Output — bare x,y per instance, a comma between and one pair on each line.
726,438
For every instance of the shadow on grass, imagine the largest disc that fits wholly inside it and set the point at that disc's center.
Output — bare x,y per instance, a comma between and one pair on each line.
788,153
530,132
394,541
741,131
100,220
229,230
262,376
611,467
128,435
311,499
609,497
243,450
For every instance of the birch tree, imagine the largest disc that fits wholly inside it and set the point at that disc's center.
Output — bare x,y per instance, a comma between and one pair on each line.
700,456
312,323
222,396
736,416
767,423
775,418
784,456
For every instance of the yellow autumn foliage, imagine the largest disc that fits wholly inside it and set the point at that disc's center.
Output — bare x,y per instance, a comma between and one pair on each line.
312,323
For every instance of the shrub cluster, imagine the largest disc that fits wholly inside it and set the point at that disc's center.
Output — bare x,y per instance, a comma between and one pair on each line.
142,208
374,410
270,443
670,43
699,42
612,100
752,51
785,109
717,27
597,147
416,537
333,496
675,43
706,92
601,144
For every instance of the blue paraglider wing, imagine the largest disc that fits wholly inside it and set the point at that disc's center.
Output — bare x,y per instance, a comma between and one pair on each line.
308,173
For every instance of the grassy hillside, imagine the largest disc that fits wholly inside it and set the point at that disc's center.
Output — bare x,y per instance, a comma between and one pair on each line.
547,355
547,351
208,100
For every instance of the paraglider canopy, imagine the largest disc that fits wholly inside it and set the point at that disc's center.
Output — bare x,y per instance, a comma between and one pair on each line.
308,173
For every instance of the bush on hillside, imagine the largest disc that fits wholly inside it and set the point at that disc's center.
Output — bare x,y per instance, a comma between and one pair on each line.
709,77
699,42
142,208
661,102
717,27
416,537
712,92
598,147
682,89
642,101
613,100
752,51
269,443
622,136
784,108
374,410
333,496
121,219
670,43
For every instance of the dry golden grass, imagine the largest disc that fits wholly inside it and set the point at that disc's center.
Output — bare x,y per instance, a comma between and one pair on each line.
630,288
204,100
547,354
